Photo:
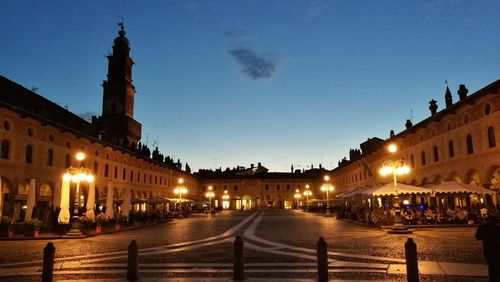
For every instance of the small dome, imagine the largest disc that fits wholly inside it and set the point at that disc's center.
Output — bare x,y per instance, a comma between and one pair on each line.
121,39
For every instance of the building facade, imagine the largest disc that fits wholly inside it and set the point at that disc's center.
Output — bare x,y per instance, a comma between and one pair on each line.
459,143
39,141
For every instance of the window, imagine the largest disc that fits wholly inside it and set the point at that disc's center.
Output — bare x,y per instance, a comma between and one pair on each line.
116,172
451,149
487,109
4,149
492,143
50,157
144,178
131,176
436,154
124,174
235,188
138,177
287,187
470,145
6,125
277,187
67,161
267,187
29,154
412,161
106,170
96,167
30,132
423,158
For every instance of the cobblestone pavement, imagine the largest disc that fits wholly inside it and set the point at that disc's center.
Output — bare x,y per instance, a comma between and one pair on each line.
278,245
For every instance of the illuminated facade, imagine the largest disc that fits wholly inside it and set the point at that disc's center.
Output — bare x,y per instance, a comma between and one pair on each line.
459,143
256,188
40,139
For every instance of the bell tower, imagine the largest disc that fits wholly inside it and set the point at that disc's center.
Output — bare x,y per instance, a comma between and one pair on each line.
117,121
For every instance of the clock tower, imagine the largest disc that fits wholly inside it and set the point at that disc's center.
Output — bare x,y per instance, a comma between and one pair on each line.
117,121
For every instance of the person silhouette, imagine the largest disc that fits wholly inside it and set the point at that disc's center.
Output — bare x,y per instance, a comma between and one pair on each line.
489,233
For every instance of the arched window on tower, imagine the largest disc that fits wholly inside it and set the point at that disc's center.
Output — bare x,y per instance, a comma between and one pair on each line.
470,145
492,143
28,154
451,149
50,157
4,149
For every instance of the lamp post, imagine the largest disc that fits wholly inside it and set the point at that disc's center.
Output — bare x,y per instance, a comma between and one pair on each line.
327,187
225,200
180,189
297,197
307,193
210,194
77,175
395,167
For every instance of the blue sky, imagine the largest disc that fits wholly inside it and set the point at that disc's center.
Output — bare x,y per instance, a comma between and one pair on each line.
227,83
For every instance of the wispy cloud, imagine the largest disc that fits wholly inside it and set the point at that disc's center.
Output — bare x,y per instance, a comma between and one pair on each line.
431,4
316,8
253,65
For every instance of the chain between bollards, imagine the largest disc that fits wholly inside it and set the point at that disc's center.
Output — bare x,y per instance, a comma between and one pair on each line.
322,255
411,261
132,265
48,262
238,266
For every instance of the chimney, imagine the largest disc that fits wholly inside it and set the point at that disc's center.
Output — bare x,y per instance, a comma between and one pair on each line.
391,133
447,98
462,92
259,164
408,124
252,166
433,107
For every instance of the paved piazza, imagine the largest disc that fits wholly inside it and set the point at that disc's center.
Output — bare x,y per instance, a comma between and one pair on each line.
278,244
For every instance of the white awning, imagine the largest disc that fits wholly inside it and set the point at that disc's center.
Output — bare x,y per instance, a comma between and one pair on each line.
455,187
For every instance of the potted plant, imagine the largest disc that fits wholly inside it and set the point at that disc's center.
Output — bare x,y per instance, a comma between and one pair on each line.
6,226
101,220
119,221
31,227
86,224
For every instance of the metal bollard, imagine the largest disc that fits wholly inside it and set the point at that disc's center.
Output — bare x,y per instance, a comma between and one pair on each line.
322,255
238,266
411,260
48,262
132,265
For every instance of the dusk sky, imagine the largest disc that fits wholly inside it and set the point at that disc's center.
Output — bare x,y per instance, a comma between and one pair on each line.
227,83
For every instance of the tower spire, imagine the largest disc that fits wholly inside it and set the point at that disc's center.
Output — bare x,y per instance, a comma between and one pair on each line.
117,120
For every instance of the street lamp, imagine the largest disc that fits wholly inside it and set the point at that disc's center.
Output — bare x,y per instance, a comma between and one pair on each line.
225,200
180,189
395,167
297,197
307,193
209,195
327,187
77,175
